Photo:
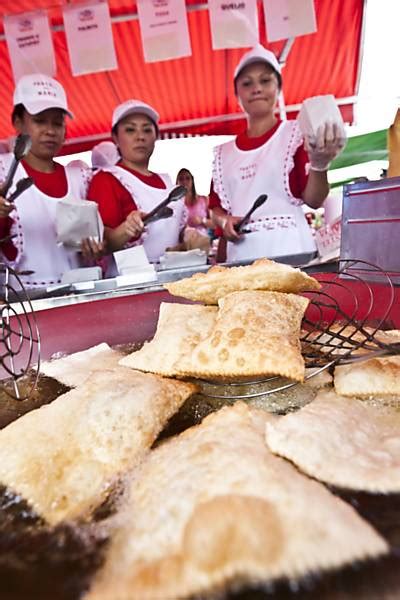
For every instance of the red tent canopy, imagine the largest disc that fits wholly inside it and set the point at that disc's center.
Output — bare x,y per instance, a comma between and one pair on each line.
193,95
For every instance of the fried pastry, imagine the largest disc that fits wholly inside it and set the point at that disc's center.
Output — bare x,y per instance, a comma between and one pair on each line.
213,508
341,339
343,442
180,328
319,380
255,334
374,376
74,369
63,457
263,274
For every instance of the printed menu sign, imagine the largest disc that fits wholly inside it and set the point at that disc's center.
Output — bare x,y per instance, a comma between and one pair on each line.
164,29
233,24
289,18
89,37
30,44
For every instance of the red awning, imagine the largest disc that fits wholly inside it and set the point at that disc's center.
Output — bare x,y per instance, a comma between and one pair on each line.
193,95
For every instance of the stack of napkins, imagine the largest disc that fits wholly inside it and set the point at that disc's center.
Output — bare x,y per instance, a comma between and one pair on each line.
317,111
134,267
174,260
81,274
76,220
82,279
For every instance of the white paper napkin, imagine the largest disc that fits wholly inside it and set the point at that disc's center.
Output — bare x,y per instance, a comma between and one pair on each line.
133,266
173,260
317,111
76,220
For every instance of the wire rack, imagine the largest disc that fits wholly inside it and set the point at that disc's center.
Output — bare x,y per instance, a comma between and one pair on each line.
331,334
19,339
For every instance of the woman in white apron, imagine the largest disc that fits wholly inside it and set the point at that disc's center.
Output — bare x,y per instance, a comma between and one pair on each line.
269,158
128,191
28,226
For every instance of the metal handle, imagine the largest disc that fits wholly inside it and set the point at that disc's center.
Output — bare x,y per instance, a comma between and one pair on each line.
259,202
175,194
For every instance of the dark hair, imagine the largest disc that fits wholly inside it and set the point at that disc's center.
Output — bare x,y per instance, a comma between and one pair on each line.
114,130
193,193
18,112
278,75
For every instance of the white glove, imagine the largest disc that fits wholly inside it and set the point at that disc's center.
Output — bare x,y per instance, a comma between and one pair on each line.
326,145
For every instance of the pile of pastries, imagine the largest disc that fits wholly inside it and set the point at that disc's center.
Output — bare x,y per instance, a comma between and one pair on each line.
226,502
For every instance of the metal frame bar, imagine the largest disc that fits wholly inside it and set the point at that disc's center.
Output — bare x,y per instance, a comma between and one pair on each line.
190,123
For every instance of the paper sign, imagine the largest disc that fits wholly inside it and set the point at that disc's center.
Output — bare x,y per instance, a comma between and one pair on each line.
131,258
164,29
233,24
327,239
89,37
133,266
30,44
289,18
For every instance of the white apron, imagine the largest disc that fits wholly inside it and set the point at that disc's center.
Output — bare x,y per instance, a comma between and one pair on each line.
164,233
34,226
279,226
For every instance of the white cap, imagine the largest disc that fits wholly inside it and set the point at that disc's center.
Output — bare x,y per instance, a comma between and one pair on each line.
39,92
104,154
257,54
134,107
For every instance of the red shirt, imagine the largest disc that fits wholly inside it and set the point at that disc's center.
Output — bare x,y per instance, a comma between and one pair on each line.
114,200
297,176
52,184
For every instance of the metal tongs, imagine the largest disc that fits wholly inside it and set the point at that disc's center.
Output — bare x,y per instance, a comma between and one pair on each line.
392,349
158,211
21,186
22,146
259,202
163,213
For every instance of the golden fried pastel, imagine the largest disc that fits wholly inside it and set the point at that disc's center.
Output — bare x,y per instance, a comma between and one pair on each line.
180,328
213,507
63,457
263,274
255,334
341,441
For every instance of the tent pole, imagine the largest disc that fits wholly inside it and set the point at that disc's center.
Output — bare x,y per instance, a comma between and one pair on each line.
282,60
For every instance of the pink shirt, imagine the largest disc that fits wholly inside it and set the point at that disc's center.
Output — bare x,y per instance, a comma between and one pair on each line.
196,211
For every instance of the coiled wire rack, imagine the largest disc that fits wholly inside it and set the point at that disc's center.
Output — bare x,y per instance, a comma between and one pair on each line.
331,335
19,339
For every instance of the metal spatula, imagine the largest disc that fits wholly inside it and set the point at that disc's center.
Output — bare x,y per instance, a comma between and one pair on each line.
259,202
22,146
174,195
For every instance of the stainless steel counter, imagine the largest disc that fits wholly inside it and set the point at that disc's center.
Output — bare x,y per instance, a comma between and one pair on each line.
107,288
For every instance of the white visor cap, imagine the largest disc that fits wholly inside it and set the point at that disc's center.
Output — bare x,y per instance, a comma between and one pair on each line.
131,107
257,54
37,92
104,154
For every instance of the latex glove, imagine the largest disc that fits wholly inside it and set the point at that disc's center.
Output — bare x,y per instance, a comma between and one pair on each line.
326,145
